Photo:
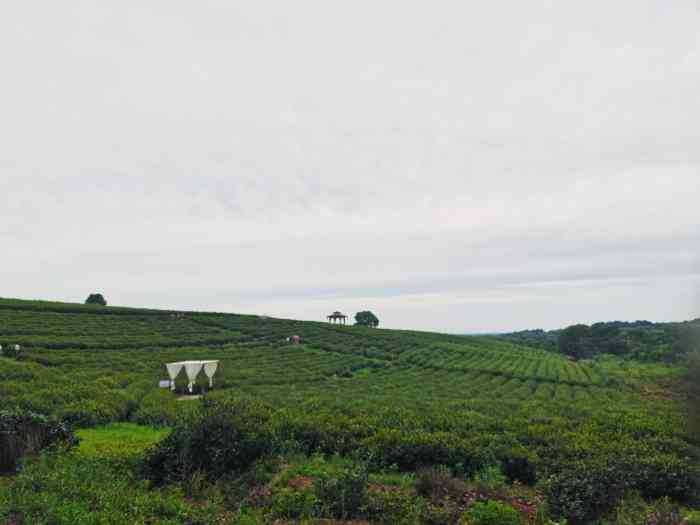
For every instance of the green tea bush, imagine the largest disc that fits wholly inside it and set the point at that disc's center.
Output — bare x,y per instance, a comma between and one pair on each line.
584,491
224,438
519,464
23,432
491,481
344,495
394,507
490,513
158,407
291,504
664,512
410,450
437,483
70,489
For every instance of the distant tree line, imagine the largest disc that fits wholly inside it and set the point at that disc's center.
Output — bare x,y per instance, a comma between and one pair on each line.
641,340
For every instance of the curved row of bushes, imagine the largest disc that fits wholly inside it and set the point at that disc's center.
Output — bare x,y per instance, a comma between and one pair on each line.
227,436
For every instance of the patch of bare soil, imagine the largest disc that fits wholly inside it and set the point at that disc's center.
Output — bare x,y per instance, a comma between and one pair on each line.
188,398
300,483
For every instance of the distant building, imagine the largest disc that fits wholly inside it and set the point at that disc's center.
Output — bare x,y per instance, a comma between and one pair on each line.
337,317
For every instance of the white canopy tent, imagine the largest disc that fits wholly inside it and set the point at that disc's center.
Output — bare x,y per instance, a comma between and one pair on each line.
192,369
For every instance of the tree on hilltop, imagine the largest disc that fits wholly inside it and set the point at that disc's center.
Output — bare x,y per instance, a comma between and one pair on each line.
366,318
575,341
96,298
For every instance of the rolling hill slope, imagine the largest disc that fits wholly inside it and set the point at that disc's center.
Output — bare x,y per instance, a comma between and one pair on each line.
82,348
394,399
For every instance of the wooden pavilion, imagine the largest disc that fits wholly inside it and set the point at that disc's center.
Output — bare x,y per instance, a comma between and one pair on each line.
337,317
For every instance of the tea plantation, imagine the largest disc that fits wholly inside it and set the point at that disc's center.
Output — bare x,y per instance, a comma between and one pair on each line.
354,423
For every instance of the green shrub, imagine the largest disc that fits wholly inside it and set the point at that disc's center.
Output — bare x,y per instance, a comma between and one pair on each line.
71,489
224,438
23,432
490,480
291,504
410,450
518,464
437,483
664,512
584,491
343,496
395,507
490,513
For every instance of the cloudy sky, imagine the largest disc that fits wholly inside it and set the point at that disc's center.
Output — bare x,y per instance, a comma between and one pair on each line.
454,166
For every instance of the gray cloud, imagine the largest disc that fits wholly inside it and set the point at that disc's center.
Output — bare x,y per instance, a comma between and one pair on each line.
519,164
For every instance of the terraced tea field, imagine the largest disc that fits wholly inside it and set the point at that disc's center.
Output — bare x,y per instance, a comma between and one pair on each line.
390,401
75,347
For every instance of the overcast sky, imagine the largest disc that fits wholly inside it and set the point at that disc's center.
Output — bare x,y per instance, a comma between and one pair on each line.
453,166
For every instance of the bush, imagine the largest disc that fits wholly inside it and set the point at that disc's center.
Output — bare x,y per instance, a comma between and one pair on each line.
68,489
23,432
224,438
584,491
490,513
395,508
294,505
410,450
345,495
437,483
664,512
518,464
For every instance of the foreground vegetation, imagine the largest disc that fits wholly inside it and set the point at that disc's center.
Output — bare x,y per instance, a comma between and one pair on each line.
354,423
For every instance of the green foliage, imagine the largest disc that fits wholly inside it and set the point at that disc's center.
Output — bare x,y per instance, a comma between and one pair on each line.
119,443
490,513
576,341
692,381
366,318
519,464
437,483
639,340
590,487
24,432
291,504
224,437
490,479
396,507
69,489
398,399
97,299
344,495
412,449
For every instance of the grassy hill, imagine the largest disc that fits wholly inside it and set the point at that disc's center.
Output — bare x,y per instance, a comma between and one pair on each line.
107,362
406,399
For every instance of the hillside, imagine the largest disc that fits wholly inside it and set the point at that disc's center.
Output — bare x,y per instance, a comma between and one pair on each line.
123,351
400,399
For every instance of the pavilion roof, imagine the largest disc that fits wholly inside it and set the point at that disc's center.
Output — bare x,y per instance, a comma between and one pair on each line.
194,362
